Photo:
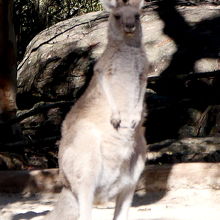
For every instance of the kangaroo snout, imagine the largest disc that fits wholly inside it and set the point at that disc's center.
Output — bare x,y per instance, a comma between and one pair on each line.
129,28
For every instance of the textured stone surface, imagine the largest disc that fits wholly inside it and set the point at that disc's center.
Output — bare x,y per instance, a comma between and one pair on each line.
58,66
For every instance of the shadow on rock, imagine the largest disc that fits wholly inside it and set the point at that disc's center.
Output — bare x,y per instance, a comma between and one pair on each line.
181,86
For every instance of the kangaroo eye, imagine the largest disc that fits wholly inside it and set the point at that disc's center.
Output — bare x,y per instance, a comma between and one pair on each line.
137,16
117,17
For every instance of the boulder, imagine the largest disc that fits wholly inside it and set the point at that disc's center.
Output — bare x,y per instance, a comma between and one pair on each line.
58,65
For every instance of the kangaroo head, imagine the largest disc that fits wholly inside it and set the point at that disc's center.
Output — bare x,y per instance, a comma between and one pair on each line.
124,20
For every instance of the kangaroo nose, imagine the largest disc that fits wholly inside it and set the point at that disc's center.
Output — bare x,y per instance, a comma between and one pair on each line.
129,27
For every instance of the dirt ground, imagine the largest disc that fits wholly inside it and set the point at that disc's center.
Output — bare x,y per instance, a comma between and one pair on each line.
183,204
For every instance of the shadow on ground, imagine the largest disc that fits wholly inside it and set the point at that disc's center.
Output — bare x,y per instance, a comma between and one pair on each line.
147,199
28,215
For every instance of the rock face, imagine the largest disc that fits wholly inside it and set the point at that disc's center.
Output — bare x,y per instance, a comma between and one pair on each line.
179,42
203,149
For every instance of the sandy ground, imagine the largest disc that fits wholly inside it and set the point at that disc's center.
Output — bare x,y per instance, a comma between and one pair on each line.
185,204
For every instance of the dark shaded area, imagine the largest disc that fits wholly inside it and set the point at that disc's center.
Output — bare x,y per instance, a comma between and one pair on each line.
152,191
148,199
11,198
203,149
29,181
29,215
194,42
31,17
178,88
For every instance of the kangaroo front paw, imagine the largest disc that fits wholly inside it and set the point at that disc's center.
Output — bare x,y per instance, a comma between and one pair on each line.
115,120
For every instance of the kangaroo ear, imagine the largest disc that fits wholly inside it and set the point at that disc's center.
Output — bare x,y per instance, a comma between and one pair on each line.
109,4
137,3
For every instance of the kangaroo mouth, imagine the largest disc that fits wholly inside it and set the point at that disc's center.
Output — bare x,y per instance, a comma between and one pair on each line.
129,31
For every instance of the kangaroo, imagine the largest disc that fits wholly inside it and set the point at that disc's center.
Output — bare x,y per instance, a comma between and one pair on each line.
102,149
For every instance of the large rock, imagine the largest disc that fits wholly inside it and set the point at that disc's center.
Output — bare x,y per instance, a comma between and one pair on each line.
58,65
172,151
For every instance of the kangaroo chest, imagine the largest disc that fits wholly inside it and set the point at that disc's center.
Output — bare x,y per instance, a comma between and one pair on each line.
127,67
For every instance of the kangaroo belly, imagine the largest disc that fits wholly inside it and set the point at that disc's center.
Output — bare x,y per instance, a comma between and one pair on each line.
113,181
117,150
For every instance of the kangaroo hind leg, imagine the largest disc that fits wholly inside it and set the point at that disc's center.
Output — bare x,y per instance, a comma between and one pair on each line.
66,207
123,203
81,165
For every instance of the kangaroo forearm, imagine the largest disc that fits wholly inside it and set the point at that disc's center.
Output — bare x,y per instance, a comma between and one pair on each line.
104,82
